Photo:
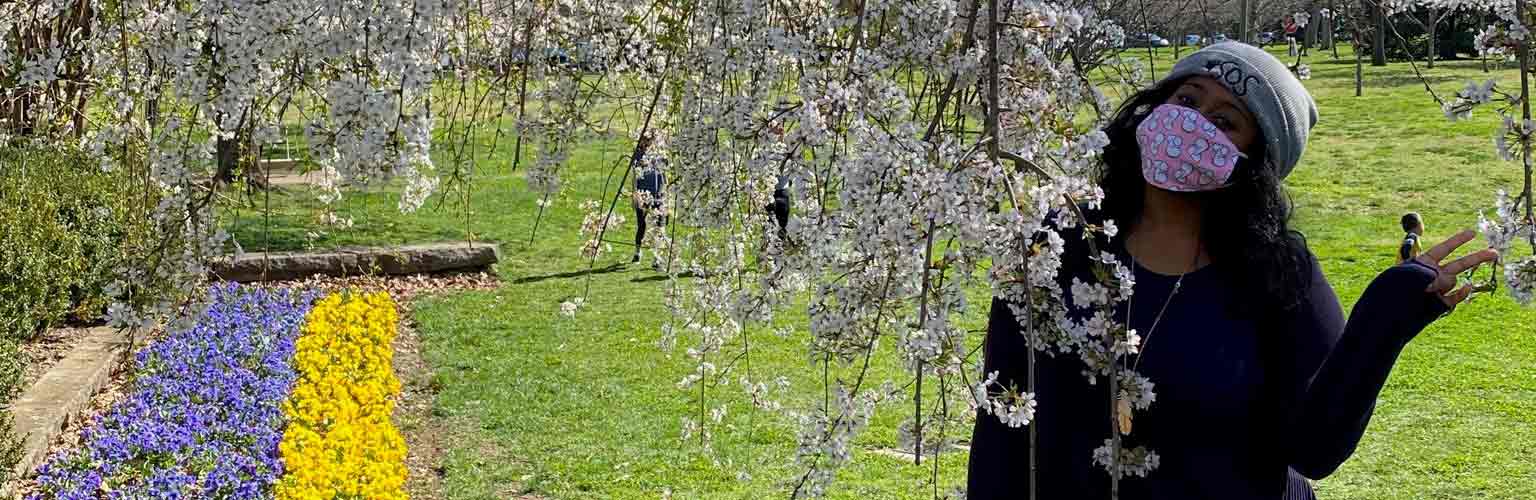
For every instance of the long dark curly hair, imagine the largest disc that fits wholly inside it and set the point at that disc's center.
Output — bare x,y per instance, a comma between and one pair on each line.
1245,227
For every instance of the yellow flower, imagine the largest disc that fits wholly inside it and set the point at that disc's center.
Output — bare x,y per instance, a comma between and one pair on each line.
340,441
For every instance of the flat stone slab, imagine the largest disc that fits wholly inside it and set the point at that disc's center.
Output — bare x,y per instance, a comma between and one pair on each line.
411,259
294,179
282,172
276,164
908,456
64,393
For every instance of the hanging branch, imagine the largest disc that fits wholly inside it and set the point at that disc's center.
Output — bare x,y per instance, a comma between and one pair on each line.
1525,136
522,90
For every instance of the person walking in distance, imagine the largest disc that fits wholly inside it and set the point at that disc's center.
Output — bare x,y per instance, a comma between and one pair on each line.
1290,36
779,208
1413,228
649,183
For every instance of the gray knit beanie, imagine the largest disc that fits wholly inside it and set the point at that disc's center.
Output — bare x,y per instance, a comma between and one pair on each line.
1284,109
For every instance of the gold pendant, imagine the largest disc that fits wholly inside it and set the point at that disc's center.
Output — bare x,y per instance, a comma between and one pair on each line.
1123,407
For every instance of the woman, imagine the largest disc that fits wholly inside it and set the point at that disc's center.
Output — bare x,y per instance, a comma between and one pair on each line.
1260,381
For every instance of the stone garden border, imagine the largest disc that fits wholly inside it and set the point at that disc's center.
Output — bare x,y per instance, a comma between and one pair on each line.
409,259
64,393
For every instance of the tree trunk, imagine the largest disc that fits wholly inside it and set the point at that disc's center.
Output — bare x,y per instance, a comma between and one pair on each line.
1448,51
1482,20
1434,22
1310,36
1332,24
59,103
1523,51
1379,38
1243,22
1359,67
228,154
1314,24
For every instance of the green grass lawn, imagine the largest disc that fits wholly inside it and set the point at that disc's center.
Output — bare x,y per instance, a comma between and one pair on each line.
587,407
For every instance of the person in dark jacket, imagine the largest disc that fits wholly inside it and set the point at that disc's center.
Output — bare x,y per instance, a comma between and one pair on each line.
779,207
1413,229
1261,380
649,183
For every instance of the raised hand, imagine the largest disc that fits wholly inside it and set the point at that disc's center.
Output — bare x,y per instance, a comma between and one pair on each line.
1444,285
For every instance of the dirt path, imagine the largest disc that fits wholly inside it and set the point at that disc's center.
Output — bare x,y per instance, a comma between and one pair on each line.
424,435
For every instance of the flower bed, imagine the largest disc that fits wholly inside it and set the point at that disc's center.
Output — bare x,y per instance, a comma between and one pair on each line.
203,414
246,404
340,441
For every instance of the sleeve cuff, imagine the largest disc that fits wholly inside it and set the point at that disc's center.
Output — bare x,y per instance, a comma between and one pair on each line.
1411,278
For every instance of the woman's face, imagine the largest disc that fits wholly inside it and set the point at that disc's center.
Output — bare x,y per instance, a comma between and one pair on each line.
1226,111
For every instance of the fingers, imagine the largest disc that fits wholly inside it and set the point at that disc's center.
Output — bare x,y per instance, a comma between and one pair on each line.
1469,261
1439,252
1456,297
1442,284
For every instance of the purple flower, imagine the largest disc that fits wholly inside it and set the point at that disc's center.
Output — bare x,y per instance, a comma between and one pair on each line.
203,416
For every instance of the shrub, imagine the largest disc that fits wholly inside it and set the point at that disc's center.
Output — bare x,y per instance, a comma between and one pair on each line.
63,235
65,223
10,375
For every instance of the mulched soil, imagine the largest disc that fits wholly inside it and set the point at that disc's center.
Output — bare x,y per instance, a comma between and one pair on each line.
44,351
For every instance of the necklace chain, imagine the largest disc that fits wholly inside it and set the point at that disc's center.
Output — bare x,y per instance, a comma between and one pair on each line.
1178,283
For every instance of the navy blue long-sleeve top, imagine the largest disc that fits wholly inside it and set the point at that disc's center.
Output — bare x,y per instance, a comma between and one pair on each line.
1245,409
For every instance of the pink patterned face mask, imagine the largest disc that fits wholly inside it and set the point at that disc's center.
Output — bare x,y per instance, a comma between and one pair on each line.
1182,151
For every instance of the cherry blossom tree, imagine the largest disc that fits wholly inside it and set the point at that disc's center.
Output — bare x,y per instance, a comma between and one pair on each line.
1513,217
1434,12
932,147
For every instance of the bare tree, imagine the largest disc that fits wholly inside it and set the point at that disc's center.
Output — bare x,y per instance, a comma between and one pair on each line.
1428,16
1379,33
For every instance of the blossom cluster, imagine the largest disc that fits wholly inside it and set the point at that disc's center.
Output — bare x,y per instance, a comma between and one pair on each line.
594,224
1512,140
340,441
203,415
1134,462
1473,95
1507,32
1013,408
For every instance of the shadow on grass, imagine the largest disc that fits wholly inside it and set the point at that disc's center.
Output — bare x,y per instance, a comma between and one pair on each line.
662,277
1408,80
1460,63
615,267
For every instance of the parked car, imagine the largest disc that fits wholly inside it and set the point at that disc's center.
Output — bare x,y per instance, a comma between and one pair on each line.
1192,39
1267,38
581,57
587,58
1218,38
556,56
1145,40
